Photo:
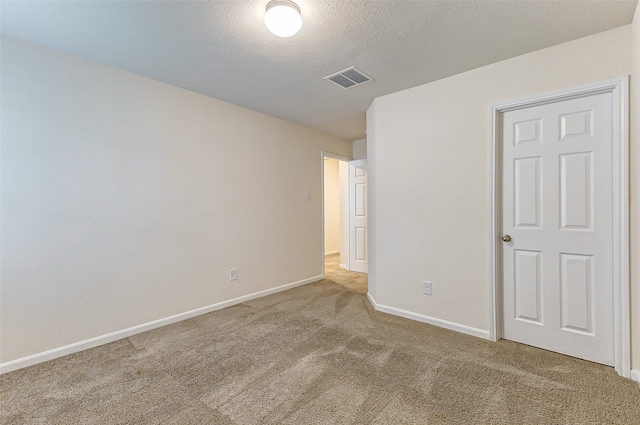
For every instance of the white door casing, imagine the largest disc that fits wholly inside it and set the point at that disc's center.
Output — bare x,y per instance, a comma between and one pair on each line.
562,282
358,252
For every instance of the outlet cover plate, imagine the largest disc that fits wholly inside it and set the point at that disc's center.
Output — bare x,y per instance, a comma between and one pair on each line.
426,287
233,274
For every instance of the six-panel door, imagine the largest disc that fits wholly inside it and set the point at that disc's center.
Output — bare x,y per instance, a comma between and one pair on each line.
359,256
557,203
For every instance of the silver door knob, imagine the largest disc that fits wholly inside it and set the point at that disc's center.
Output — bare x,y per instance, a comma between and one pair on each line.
506,238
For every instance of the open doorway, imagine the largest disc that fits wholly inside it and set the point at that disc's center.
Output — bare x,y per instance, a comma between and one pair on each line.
342,241
336,214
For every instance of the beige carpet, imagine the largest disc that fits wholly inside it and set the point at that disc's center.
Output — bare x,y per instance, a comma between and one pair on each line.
317,354
356,282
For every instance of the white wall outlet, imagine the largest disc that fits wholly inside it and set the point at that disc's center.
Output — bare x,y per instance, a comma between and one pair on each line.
426,287
307,196
233,274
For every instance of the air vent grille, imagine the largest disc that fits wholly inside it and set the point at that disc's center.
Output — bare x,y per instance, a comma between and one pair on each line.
348,78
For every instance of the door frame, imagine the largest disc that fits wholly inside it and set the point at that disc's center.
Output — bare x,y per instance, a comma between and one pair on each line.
619,87
323,155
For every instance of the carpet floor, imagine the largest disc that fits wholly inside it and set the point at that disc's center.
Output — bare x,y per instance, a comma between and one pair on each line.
317,354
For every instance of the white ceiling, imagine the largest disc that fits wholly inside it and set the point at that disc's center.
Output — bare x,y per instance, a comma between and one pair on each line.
222,49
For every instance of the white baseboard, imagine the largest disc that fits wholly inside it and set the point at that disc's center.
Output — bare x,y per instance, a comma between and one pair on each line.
343,267
373,302
427,319
635,375
332,252
114,336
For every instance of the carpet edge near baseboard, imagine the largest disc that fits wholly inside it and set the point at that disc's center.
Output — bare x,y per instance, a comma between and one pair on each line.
45,356
468,330
635,375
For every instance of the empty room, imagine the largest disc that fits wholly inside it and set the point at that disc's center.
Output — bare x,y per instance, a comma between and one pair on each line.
320,212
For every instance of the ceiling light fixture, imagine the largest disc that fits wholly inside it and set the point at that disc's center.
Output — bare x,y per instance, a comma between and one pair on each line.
283,18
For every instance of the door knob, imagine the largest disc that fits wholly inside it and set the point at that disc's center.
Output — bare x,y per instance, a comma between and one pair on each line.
506,238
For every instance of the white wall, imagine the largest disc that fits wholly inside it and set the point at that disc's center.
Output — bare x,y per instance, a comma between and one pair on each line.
635,196
360,149
428,164
331,206
126,200
372,201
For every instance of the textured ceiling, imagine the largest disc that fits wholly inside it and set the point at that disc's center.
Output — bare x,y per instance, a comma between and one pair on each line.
222,48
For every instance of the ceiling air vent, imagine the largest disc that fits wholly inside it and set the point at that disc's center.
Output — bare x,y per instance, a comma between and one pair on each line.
349,77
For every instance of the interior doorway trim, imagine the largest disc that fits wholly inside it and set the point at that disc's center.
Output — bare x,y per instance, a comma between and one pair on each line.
323,155
620,189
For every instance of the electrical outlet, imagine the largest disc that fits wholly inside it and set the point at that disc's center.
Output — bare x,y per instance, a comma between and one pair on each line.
426,287
233,274
307,196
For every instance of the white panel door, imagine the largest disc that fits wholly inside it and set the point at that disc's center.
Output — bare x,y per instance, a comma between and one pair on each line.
358,252
557,210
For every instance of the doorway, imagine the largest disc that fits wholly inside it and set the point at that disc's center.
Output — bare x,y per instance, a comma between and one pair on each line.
560,223
344,224
335,212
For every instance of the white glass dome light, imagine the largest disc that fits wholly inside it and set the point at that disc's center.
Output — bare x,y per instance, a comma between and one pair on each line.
283,18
